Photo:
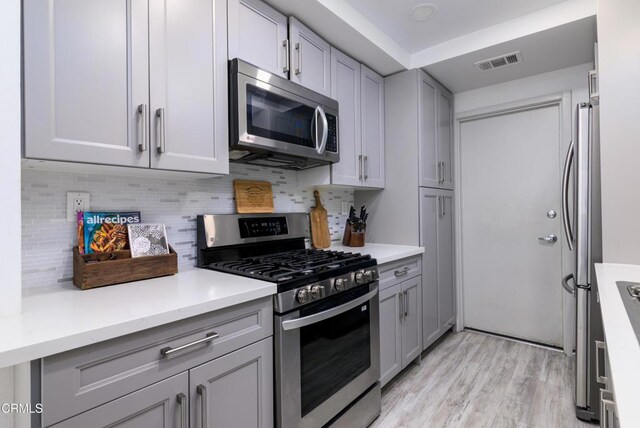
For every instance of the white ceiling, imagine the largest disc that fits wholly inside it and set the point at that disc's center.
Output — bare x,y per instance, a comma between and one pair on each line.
559,47
454,18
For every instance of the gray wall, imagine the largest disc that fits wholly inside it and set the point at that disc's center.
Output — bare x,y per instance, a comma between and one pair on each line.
619,71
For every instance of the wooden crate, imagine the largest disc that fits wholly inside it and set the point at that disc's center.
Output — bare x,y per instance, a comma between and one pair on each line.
100,269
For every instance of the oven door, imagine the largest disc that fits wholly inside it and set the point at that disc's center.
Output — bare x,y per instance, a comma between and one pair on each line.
327,355
268,119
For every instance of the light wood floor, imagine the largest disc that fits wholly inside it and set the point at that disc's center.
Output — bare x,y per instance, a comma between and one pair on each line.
478,380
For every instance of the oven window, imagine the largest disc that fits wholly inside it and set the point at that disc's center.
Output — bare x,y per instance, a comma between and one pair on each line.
333,352
278,118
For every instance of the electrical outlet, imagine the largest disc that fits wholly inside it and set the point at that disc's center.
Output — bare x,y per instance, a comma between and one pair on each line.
345,208
77,201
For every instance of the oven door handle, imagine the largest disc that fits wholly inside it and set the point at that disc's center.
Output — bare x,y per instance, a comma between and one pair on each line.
315,318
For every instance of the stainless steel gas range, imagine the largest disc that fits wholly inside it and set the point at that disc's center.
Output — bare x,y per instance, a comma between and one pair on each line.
326,321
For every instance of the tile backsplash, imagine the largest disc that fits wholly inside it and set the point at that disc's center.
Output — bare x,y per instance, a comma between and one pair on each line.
48,238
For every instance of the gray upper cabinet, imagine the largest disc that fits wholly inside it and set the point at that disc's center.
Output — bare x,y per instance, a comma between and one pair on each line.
435,134
258,35
390,333
345,88
188,81
411,320
373,147
235,390
438,289
85,73
161,405
127,83
310,58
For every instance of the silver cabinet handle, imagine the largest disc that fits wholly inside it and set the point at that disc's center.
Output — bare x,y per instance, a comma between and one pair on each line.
593,84
406,305
401,272
565,196
444,205
607,408
551,239
161,144
366,168
168,351
444,170
299,49
566,286
401,304
182,403
439,199
143,111
601,346
201,390
325,130
285,44
360,166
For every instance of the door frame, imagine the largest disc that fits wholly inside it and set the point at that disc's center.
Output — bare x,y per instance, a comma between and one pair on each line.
563,101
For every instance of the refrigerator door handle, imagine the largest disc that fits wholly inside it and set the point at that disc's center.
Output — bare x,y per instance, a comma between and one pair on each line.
565,195
566,286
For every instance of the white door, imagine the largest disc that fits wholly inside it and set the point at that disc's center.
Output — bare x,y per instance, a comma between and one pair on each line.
310,58
258,35
345,88
372,107
188,81
85,73
510,173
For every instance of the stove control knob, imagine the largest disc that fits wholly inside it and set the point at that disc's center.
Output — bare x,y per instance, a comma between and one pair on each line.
302,296
340,284
368,275
317,292
359,278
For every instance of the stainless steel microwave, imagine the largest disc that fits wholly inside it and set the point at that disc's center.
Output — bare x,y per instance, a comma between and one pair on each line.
278,123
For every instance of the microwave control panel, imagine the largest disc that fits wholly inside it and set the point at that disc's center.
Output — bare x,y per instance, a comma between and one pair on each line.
332,139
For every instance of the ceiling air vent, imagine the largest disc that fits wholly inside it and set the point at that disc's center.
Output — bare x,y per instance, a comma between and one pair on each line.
499,61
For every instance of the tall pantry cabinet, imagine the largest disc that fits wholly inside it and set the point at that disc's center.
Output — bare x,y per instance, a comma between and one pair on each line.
419,191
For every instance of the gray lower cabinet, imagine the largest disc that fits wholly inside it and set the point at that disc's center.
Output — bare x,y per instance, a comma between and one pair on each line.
235,390
400,316
161,405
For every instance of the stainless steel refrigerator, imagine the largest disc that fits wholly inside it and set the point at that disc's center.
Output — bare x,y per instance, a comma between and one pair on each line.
583,228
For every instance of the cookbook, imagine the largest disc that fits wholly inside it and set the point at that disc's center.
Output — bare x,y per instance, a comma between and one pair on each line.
106,231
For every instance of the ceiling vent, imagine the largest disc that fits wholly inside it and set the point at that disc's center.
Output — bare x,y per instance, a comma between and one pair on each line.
499,61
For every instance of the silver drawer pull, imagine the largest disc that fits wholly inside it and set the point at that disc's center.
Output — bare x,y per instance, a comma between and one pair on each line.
168,351
401,272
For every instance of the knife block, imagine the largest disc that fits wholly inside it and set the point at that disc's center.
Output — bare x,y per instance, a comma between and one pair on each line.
352,238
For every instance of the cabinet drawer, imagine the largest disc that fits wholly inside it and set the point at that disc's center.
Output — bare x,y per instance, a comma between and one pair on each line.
395,272
81,379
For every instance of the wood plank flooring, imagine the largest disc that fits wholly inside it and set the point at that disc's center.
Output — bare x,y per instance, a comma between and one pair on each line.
476,380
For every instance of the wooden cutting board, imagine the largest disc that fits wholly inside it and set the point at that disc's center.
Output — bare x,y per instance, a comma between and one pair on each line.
320,236
253,196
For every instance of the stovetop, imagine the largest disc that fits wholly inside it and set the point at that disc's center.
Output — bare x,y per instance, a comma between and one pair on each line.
291,269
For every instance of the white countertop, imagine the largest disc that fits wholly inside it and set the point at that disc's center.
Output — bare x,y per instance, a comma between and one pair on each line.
383,253
68,318
622,345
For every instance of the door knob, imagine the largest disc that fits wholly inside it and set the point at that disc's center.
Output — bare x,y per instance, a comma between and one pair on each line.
551,239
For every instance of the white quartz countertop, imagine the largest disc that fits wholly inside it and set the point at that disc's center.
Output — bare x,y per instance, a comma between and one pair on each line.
383,253
69,318
622,345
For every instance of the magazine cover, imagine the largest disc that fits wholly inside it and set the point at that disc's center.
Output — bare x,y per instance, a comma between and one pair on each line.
107,231
148,240
80,217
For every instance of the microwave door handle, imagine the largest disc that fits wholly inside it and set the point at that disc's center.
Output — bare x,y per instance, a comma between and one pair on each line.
314,128
565,195
329,313
325,130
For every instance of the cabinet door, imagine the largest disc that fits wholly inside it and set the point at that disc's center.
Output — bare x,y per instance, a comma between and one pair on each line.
188,70
429,216
411,320
258,35
161,405
427,142
235,390
446,257
85,74
390,334
345,88
310,58
372,106
445,137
